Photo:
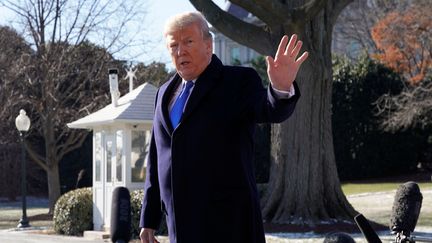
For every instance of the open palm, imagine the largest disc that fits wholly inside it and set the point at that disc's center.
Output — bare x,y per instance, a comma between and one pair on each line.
282,70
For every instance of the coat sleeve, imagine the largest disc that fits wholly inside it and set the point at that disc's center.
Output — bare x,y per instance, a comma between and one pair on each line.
263,105
151,211
151,207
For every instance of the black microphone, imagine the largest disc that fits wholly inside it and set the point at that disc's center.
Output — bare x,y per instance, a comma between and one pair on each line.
338,237
406,208
366,229
120,215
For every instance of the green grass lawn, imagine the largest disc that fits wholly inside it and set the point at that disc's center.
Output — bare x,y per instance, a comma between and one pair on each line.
9,217
357,188
380,210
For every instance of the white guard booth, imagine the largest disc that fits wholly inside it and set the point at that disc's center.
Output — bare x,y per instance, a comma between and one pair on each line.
121,135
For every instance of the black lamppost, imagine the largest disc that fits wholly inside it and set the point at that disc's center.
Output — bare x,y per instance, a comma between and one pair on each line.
22,123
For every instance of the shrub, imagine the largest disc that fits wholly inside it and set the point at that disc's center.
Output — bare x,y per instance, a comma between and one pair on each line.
73,212
362,148
136,202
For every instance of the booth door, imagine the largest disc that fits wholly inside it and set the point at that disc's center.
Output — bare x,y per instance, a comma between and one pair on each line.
113,171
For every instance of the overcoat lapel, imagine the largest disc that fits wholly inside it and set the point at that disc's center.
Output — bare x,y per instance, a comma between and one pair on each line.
166,97
206,81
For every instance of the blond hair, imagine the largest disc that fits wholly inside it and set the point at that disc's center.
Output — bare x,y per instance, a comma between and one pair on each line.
183,20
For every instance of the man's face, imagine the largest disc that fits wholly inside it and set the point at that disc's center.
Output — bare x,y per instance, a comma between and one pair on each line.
190,52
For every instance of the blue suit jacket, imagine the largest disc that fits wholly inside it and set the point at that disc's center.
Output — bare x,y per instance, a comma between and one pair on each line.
200,174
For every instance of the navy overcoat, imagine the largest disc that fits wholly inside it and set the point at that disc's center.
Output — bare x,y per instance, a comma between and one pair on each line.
200,175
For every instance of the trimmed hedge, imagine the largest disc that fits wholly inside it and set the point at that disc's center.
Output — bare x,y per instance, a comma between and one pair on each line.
136,201
73,212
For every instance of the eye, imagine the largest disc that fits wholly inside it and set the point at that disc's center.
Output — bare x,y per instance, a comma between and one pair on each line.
173,47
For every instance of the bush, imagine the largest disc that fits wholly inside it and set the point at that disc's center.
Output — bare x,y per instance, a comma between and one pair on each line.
362,148
136,202
73,212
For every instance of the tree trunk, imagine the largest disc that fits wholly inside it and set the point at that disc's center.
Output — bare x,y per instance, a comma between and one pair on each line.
304,187
52,168
53,186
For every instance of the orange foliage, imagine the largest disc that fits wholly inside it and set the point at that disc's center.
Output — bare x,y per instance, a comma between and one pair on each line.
404,42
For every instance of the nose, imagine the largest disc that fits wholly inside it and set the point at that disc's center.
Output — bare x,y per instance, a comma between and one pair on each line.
181,49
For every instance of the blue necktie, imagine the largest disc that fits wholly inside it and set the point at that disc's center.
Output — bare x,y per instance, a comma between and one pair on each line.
178,107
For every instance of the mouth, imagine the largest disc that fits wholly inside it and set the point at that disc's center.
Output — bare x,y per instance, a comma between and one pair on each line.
184,63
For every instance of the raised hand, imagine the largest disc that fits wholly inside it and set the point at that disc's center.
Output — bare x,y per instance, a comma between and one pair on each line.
282,70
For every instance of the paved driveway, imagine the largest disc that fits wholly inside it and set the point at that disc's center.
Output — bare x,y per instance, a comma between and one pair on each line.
8,236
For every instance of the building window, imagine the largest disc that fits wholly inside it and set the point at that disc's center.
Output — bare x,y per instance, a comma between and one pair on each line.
235,56
138,155
119,157
109,155
98,156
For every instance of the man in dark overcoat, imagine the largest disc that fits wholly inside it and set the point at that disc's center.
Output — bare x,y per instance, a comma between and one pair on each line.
199,169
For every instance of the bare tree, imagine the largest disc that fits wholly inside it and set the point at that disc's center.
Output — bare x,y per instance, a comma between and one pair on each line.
304,187
64,77
352,31
412,107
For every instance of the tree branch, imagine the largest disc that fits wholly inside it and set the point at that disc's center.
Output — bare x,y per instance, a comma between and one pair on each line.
338,6
309,9
73,142
244,33
258,11
277,8
35,156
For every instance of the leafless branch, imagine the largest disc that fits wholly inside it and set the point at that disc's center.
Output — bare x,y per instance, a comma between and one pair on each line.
411,107
258,11
309,9
233,27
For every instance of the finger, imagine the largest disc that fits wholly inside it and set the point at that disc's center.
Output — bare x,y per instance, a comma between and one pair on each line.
302,58
291,44
296,50
270,61
282,46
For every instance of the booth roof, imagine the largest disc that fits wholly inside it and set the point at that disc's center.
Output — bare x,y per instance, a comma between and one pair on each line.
136,107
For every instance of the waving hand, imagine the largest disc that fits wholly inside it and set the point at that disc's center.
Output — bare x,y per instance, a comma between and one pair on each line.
282,70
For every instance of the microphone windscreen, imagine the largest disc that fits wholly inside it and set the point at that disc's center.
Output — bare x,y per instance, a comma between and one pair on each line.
366,229
120,215
338,237
406,208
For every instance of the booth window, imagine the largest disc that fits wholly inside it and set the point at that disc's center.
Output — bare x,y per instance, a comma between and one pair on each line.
139,152
119,157
98,156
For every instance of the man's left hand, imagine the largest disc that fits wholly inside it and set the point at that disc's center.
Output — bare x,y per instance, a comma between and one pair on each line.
282,70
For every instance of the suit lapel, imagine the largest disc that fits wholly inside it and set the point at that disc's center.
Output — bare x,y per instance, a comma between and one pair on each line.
166,97
203,85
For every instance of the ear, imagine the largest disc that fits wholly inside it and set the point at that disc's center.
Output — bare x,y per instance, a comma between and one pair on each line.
209,45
